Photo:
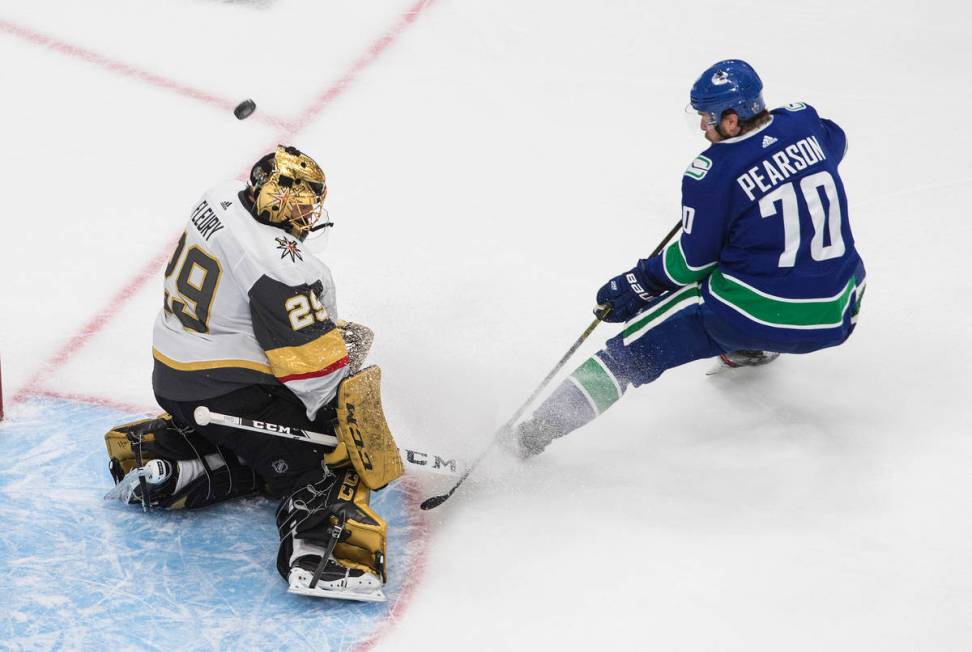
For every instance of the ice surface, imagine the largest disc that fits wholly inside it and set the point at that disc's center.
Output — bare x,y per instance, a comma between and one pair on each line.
84,573
488,170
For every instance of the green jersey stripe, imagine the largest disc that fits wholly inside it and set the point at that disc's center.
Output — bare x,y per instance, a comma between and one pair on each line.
780,312
644,320
647,326
677,267
600,386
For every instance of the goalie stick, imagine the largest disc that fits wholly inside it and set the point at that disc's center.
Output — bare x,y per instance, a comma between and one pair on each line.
411,458
506,429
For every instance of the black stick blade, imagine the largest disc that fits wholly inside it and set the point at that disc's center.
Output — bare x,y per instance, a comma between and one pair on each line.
433,502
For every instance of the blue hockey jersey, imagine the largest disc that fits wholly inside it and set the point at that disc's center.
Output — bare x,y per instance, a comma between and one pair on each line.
766,234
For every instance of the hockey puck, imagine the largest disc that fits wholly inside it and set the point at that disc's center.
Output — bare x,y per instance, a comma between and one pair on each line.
244,109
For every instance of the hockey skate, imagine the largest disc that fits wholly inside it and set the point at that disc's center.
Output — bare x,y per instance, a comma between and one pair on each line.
743,358
332,545
333,581
158,477
532,437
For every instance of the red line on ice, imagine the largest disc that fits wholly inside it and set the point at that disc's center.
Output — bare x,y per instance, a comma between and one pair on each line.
335,90
127,70
96,400
417,523
291,128
323,99
114,305
117,302
419,539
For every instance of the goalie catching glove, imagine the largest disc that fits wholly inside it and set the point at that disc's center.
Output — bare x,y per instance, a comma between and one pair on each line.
358,339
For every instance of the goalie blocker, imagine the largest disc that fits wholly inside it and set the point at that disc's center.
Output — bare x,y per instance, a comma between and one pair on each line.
332,543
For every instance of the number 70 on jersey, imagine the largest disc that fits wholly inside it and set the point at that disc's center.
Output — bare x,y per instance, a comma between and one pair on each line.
825,223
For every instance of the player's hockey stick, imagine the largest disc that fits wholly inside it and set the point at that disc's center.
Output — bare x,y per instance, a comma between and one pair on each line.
601,312
413,459
435,501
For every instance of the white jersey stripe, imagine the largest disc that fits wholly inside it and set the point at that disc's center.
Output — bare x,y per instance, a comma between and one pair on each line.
586,395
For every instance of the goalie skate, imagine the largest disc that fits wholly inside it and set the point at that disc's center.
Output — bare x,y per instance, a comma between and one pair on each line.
336,581
160,477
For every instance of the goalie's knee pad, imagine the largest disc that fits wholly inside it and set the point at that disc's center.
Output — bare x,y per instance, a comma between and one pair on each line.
332,518
142,454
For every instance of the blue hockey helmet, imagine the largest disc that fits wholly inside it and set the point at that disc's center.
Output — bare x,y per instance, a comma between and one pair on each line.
730,84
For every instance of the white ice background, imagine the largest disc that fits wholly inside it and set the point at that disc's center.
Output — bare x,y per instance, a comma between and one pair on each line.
488,170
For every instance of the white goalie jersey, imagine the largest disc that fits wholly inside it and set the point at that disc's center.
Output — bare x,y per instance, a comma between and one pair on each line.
245,304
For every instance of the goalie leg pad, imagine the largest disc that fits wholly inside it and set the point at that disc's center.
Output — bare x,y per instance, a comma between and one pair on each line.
332,516
122,440
183,470
210,480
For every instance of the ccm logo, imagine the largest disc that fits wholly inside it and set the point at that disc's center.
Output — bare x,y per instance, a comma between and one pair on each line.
272,427
348,485
358,440
422,459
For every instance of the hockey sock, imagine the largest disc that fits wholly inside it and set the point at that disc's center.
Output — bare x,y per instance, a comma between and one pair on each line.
598,383
565,410
591,389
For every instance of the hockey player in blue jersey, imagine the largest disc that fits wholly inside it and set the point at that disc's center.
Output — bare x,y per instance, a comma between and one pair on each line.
764,264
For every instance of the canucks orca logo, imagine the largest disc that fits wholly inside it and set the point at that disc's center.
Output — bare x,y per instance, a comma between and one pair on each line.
698,168
720,78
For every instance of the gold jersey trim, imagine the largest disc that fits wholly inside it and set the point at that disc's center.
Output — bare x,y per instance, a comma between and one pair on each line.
318,355
210,364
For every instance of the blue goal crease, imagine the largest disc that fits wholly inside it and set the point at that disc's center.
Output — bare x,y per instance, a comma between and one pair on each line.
84,573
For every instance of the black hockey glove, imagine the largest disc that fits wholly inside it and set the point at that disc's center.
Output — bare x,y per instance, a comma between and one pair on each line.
625,295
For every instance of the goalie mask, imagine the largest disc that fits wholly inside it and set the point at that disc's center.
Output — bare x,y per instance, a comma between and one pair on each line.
288,190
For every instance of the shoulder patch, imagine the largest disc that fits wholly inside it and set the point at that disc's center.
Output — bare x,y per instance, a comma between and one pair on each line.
698,168
289,248
795,106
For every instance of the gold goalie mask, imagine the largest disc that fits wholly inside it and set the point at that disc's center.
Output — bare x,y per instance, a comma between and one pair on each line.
288,189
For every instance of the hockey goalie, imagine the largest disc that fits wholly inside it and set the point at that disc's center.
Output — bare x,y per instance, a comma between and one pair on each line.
249,327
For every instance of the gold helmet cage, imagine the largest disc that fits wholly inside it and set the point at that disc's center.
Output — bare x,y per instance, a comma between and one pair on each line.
288,190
